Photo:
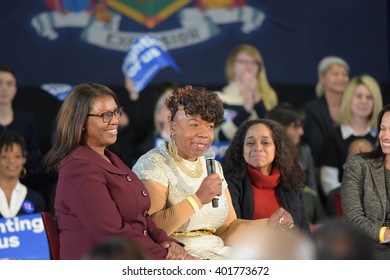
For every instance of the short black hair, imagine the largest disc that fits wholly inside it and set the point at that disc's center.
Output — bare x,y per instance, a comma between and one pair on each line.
6,68
286,114
339,240
9,137
196,101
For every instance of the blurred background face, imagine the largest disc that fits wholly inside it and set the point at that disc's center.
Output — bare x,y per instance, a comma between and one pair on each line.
295,132
162,117
193,136
362,102
335,79
11,162
259,148
99,134
7,88
245,64
384,134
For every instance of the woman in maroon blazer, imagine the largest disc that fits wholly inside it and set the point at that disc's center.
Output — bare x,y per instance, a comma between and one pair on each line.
98,196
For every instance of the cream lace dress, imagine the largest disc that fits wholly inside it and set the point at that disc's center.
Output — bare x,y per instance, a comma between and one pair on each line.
158,166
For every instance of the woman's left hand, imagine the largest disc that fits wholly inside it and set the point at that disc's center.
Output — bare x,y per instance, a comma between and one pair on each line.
175,251
282,219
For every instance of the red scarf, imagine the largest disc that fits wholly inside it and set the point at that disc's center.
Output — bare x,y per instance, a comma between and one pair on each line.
264,195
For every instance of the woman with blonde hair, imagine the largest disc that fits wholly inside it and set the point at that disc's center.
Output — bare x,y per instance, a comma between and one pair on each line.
248,94
346,113
361,102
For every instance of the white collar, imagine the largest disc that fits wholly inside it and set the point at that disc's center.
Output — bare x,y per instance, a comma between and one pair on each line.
18,195
347,131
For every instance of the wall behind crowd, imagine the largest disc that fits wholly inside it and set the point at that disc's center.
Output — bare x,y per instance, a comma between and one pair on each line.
87,40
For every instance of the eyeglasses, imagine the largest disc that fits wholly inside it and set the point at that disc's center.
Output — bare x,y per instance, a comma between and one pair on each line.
107,116
246,62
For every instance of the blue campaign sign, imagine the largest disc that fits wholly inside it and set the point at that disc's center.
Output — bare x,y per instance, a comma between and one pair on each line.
220,147
59,91
146,56
23,238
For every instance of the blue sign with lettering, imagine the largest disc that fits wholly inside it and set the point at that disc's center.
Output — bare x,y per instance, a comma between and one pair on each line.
146,56
23,238
59,91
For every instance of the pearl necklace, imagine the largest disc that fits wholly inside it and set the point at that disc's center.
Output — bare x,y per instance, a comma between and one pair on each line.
196,173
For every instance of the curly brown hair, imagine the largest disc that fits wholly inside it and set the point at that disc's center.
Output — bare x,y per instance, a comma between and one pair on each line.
196,101
286,155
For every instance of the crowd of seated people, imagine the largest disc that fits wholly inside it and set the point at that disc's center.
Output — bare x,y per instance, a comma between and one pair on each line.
277,179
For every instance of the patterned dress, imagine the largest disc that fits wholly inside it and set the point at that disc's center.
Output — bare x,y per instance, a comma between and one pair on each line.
158,166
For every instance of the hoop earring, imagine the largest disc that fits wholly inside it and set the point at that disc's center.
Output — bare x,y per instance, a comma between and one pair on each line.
23,173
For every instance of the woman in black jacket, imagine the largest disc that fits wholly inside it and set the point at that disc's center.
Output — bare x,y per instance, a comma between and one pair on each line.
263,175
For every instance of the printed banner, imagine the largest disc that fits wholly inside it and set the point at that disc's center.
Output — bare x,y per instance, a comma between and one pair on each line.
59,91
197,26
146,56
86,40
23,238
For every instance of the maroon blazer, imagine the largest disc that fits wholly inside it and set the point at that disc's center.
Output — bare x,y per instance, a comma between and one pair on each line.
96,200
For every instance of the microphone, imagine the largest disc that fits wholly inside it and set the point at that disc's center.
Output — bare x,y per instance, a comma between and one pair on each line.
210,165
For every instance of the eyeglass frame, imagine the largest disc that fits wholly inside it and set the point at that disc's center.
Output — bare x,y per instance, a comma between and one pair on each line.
246,62
117,113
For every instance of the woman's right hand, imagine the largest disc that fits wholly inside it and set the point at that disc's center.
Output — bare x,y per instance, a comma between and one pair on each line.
210,188
130,87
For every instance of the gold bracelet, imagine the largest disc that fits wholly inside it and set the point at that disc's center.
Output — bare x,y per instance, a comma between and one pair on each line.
194,196
193,203
382,234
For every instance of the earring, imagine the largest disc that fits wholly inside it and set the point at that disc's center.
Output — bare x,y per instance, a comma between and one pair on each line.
172,148
83,129
23,173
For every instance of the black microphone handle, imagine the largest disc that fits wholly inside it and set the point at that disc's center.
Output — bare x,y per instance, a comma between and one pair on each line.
210,164
214,202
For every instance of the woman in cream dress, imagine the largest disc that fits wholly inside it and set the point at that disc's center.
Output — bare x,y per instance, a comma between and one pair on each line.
180,189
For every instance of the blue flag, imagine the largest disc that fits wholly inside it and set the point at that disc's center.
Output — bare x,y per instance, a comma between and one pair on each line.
146,56
59,91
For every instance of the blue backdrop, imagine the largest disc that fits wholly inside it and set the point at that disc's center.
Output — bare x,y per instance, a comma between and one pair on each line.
73,41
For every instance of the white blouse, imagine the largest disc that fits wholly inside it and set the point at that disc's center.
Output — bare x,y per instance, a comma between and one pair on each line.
18,195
